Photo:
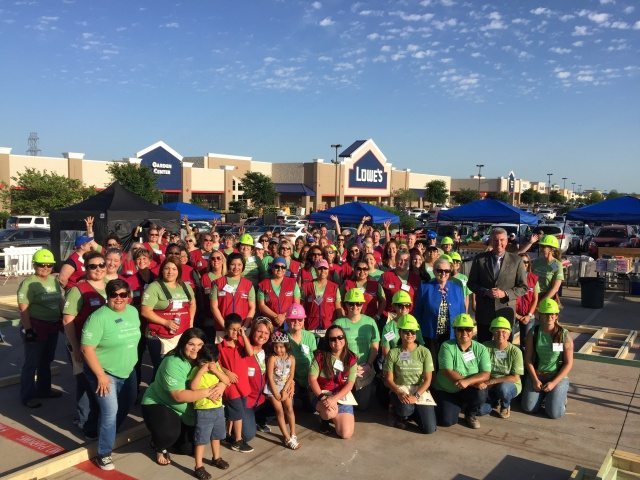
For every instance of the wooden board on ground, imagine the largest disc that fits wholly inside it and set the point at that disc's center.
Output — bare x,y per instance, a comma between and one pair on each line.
619,465
603,341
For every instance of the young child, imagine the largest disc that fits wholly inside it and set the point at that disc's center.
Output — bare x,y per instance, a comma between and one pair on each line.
210,424
234,349
281,366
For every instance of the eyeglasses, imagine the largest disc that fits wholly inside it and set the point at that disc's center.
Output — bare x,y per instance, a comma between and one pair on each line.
362,269
355,250
403,305
279,267
285,248
217,259
173,252
336,338
350,304
94,266
464,329
153,235
408,332
119,295
44,265
442,271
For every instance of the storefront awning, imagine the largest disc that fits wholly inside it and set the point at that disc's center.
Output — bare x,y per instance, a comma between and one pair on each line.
294,189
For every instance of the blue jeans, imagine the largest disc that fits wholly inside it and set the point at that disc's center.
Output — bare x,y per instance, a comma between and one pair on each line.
424,415
87,409
114,407
502,393
38,356
524,330
468,400
554,401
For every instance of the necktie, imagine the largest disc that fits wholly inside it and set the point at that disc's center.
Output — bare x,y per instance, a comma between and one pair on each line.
496,267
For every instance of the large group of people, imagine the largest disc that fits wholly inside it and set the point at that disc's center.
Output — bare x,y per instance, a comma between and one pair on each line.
238,330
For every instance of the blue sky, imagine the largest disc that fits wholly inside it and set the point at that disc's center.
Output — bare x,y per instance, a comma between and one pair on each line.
440,85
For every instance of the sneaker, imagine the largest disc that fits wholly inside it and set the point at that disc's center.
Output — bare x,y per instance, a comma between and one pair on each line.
505,412
201,474
241,446
219,463
105,463
264,428
472,421
325,426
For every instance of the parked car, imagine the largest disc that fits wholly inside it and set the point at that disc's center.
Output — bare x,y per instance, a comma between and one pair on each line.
546,214
27,221
292,232
585,234
24,237
522,232
569,242
612,236
201,225
416,212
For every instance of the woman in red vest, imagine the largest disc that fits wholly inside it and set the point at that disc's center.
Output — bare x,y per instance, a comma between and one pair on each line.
308,273
400,278
233,294
169,306
368,286
81,301
277,293
526,305
285,250
321,300
154,245
216,269
332,376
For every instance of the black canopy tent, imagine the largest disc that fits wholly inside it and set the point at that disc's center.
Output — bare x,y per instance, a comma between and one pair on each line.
115,210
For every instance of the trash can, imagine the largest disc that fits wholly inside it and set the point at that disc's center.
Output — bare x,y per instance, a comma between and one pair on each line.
592,292
634,284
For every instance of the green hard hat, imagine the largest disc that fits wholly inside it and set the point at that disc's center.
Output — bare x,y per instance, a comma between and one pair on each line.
549,241
463,320
446,241
455,256
548,305
401,297
246,239
43,256
354,295
500,322
445,256
408,322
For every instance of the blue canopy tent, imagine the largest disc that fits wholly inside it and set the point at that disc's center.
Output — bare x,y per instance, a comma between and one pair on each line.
624,210
488,211
353,212
192,211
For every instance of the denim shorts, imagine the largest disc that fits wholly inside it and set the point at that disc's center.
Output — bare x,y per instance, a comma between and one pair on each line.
234,409
341,408
210,425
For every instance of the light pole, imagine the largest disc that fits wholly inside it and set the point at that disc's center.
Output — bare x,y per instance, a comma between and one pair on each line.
336,162
479,165
564,183
580,189
549,190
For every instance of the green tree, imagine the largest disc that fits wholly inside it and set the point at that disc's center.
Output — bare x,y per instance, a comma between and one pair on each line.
556,197
436,192
407,222
502,196
466,195
530,196
403,197
238,206
40,192
613,194
593,197
259,189
137,179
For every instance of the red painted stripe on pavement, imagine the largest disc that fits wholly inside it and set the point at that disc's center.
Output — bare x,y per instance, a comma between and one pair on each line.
46,448
91,468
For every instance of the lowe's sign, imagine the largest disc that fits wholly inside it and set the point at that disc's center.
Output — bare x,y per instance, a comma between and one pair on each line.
368,172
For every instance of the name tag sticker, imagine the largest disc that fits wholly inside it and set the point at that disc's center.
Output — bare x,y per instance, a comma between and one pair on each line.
228,288
177,305
251,371
94,302
558,347
389,336
404,356
305,349
405,287
468,356
338,365
501,354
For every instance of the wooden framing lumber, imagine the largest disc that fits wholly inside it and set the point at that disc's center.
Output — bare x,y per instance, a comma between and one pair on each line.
619,465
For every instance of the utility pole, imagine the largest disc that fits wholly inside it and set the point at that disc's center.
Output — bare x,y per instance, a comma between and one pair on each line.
479,165
336,162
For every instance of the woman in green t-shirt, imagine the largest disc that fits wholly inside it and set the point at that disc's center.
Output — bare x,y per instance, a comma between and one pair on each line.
548,268
408,369
548,361
39,302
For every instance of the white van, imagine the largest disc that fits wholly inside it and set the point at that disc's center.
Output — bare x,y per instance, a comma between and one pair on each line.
24,221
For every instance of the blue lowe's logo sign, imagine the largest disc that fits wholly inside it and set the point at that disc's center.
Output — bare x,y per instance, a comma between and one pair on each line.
166,166
368,172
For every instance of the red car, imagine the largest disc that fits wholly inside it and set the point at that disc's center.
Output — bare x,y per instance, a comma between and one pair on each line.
612,236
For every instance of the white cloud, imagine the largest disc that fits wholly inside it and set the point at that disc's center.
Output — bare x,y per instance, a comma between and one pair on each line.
447,3
620,25
563,75
171,25
636,26
560,51
598,17
629,10
424,54
567,17
371,13
412,47
541,11
343,66
579,43
581,31
605,2
373,36
326,22
585,78
412,17
324,58
269,59
316,5
476,54
451,22
397,56
496,22
385,48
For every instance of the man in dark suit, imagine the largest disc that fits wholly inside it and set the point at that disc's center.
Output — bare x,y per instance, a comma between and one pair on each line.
497,278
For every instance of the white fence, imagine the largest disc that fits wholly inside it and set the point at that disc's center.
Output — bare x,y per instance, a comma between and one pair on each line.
18,261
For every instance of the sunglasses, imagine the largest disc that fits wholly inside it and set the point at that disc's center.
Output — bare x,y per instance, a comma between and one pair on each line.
362,269
526,262
112,245
316,254
208,239
408,332
153,235
349,304
285,248
355,251
217,259
44,265
404,305
464,329
279,267
442,271
294,320
336,338
189,241
94,266
120,295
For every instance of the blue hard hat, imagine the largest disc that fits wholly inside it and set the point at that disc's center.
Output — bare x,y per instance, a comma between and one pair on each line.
431,235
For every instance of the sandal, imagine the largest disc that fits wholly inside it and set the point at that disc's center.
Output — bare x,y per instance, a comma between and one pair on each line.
201,474
219,463
292,443
163,458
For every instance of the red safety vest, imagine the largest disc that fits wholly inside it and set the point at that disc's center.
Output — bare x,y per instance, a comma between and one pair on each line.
188,276
257,381
157,258
198,261
278,303
128,267
91,301
320,311
174,310
370,306
391,283
237,302
294,268
305,275
523,303
138,286
79,271
340,377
